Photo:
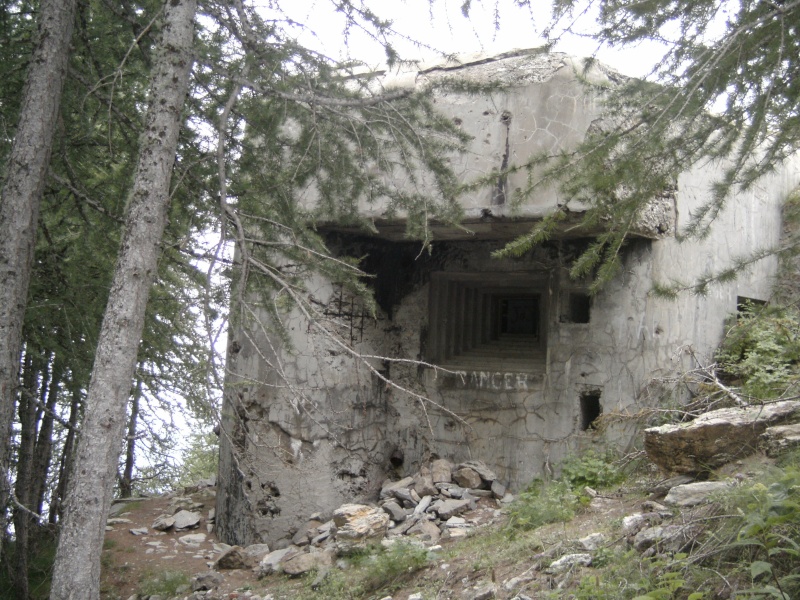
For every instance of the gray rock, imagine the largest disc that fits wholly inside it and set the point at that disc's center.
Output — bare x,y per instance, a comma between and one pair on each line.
468,478
307,561
423,483
255,552
406,496
593,541
481,468
662,487
634,523
118,521
449,508
234,558
456,522
270,563
498,489
715,438
395,511
206,581
416,596
423,505
450,490
324,532
139,531
117,508
511,584
305,534
185,519
193,539
441,471
570,561
483,592
357,525
163,522
693,494
666,538
388,488
426,531
779,439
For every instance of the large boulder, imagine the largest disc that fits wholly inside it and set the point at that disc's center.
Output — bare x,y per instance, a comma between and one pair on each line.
715,438
693,494
358,525
186,519
441,471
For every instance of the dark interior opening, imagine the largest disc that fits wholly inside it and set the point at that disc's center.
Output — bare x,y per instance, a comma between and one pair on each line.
579,308
590,409
519,315
487,321
745,304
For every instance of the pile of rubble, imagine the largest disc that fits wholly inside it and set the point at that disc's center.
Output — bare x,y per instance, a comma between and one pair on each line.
424,510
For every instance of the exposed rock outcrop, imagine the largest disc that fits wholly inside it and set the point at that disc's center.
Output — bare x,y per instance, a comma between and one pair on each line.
715,438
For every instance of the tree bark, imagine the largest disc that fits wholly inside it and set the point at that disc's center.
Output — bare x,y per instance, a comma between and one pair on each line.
126,479
43,452
34,379
67,459
89,496
19,206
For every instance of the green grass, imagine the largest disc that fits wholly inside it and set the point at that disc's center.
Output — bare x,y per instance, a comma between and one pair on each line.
164,583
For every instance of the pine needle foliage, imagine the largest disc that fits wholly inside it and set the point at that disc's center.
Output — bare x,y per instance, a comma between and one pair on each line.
725,91
311,142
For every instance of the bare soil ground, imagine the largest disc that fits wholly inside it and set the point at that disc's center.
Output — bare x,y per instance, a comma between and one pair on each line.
131,562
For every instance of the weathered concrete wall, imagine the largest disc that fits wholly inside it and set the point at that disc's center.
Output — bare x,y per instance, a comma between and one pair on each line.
307,427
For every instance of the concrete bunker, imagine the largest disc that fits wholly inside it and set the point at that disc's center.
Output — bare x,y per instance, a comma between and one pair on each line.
516,359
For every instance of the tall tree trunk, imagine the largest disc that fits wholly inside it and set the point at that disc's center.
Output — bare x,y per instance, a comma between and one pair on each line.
126,479
34,379
89,496
42,453
25,175
67,458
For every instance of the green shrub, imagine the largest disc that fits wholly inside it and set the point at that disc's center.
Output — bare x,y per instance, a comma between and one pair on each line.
381,570
164,583
542,503
769,534
591,469
761,350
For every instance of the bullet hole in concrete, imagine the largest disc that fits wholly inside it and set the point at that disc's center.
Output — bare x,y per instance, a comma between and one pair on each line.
271,489
267,508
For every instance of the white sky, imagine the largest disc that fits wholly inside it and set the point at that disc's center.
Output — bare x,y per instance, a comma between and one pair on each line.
443,28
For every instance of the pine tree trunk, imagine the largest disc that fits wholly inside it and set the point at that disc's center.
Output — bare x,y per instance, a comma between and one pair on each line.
126,479
67,459
25,175
89,496
42,453
34,379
